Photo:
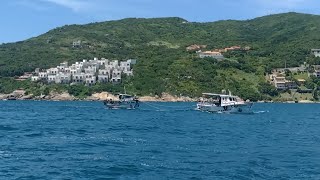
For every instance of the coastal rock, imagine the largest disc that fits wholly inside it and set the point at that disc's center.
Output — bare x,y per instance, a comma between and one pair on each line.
165,97
92,98
27,97
61,97
169,98
102,96
149,99
3,96
19,93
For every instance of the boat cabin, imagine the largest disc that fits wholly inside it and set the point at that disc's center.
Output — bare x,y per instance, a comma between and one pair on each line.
221,99
126,97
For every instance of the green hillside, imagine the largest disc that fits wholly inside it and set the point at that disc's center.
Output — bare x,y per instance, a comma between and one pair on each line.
160,44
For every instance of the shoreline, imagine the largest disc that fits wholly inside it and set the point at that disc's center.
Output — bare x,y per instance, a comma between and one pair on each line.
64,96
157,101
20,95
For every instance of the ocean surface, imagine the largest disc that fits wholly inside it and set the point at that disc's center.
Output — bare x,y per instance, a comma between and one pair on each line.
84,140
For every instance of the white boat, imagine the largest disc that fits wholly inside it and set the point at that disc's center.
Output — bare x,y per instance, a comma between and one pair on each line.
223,103
125,102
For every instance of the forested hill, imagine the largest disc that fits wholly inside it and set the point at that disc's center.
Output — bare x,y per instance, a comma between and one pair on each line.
160,44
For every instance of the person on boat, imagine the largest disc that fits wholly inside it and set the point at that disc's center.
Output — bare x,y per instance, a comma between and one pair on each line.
136,102
219,101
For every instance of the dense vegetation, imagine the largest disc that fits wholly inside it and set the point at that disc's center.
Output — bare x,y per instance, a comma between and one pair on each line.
164,65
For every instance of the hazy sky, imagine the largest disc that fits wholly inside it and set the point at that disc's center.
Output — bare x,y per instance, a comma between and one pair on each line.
22,19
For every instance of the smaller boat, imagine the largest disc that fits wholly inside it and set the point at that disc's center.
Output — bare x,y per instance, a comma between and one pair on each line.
11,98
125,102
217,103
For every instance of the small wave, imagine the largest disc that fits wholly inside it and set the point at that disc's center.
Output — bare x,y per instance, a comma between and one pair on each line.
260,112
145,164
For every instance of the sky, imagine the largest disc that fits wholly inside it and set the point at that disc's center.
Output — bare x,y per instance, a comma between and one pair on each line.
23,19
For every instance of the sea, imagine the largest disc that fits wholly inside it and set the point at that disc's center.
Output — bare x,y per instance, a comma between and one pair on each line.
84,140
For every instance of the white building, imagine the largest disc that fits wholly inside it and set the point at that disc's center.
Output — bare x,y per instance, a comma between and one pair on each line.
316,73
104,71
315,52
128,73
63,78
114,64
212,54
91,81
43,75
282,83
52,71
116,76
103,62
75,71
51,78
89,75
76,44
90,69
125,66
35,78
78,78
88,72
67,70
132,61
103,78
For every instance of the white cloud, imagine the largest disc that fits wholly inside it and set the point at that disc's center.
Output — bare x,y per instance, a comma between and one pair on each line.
75,5
29,4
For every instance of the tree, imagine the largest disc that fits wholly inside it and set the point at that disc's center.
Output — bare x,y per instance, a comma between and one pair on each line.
266,88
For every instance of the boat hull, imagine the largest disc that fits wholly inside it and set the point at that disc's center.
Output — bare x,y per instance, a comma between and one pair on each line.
243,108
122,105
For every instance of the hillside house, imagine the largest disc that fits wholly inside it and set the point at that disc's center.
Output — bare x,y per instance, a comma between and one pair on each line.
104,72
63,78
195,47
87,72
315,52
132,61
212,54
78,78
316,73
76,44
43,75
116,76
51,78
52,71
103,78
35,78
281,83
90,80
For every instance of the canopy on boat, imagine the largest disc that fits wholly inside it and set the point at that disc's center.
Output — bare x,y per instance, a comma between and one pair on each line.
219,95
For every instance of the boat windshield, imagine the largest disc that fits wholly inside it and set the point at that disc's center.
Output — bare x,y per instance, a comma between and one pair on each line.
212,99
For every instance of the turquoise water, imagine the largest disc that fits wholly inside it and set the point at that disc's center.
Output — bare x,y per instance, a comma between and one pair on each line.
83,140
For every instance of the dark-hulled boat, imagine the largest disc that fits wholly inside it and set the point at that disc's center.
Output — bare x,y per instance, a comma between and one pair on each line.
125,102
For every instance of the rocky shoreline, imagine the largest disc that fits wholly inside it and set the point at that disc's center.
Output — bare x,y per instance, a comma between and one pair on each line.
65,96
